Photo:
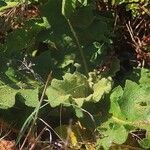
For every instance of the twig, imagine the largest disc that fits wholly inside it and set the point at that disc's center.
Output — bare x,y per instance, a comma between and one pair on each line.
136,44
28,68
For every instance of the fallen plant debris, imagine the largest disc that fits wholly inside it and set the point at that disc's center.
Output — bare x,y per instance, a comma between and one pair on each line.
7,145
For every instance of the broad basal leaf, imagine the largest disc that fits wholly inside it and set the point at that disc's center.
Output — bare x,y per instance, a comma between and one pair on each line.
100,33
145,77
82,17
131,106
69,7
112,133
7,97
52,11
135,102
13,83
18,40
115,107
30,97
101,88
73,88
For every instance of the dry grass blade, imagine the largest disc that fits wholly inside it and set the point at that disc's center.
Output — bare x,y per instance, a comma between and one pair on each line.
49,78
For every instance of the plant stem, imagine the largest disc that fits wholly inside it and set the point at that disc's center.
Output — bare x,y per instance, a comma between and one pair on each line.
79,46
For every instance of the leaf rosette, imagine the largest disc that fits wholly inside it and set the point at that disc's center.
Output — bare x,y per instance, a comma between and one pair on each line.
75,89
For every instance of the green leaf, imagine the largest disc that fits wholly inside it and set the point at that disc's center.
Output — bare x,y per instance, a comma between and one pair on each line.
52,11
2,3
131,106
145,77
7,97
102,87
73,88
43,64
115,107
68,7
82,18
135,102
44,24
68,59
79,112
130,109
9,5
112,133
119,134
18,40
145,143
100,33
13,83
99,51
83,2
103,143
30,96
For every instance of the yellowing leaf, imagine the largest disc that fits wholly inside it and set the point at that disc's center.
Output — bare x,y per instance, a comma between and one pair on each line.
72,138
